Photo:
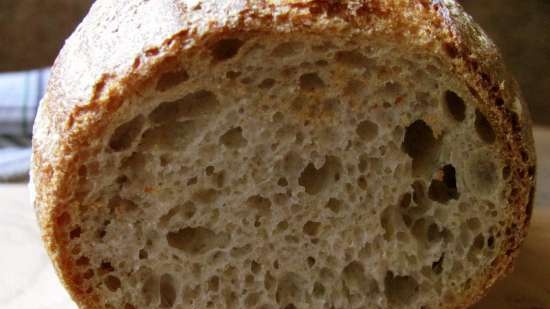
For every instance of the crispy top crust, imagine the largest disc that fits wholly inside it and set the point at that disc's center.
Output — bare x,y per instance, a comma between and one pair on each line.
121,47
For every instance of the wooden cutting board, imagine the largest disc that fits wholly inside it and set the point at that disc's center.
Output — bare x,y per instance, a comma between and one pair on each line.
27,279
528,287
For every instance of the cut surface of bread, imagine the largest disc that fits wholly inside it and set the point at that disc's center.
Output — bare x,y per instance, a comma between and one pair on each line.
301,169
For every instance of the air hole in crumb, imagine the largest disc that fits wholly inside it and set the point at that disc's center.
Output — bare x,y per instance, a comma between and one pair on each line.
506,172
260,203
277,117
455,106
434,234
437,266
167,291
484,128
82,171
206,196
421,145
209,170
83,261
185,211
214,283
479,242
170,135
311,82
386,220
88,274
226,49
252,299
419,229
237,252
125,135
190,294
282,182
363,163
400,290
150,289
106,267
407,220
121,206
232,74
121,180
171,79
318,290
112,283
353,58
255,268
234,138
196,104
362,182
287,49
354,87
482,174
311,228
321,63
474,224
220,179
289,288
247,80
192,181
196,240
267,83
230,298
334,205
443,187
165,160
317,180
75,233
367,130
135,162
143,254
405,201
292,163
392,89
292,239
356,281
281,227
491,242
269,281
310,261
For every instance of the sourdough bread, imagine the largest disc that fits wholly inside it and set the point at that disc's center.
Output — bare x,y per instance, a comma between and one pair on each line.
281,154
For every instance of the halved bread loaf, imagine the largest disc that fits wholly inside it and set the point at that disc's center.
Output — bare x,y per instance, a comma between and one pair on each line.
281,154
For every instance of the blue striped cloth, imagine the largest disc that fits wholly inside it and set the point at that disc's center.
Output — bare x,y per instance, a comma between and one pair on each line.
20,93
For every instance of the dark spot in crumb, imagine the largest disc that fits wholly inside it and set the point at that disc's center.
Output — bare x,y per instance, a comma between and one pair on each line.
444,189
451,49
226,49
455,105
484,128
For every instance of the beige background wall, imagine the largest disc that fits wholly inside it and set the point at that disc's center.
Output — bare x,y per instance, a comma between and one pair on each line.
32,31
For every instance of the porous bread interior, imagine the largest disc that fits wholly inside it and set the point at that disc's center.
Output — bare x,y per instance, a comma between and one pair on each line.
293,173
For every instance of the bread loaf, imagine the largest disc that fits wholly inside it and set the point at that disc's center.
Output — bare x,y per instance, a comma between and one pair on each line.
281,154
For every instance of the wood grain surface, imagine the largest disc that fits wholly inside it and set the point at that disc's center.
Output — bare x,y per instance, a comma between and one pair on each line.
28,281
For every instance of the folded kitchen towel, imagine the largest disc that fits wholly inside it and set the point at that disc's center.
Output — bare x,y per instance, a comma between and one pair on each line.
20,93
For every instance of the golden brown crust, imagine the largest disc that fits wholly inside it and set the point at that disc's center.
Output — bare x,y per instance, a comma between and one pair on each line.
122,46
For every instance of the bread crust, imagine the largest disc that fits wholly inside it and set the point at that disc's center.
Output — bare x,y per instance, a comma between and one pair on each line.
123,46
